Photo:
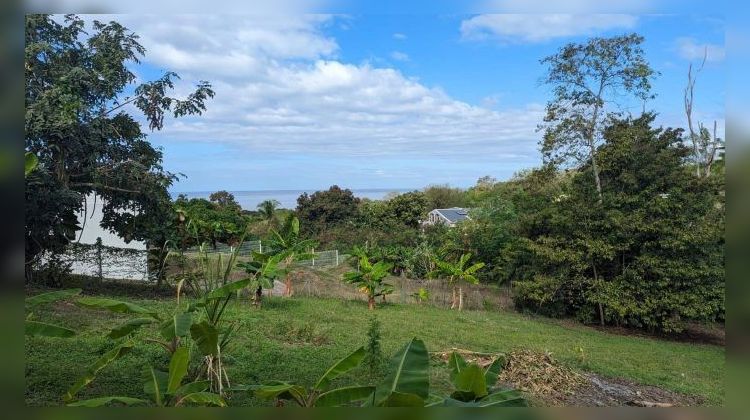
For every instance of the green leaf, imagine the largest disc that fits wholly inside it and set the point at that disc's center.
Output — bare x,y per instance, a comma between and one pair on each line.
228,289
192,387
103,401
155,384
177,326
178,367
30,163
493,371
507,398
456,363
128,327
51,296
41,329
281,390
341,367
398,399
408,374
114,306
206,337
470,383
340,396
202,398
94,369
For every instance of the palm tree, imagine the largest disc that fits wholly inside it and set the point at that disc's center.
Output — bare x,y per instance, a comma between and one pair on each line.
267,209
369,279
455,273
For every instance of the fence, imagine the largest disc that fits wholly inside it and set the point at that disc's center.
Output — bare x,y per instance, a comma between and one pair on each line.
106,262
329,258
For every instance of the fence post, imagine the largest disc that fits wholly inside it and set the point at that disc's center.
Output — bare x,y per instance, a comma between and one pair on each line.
337,258
260,246
313,257
99,272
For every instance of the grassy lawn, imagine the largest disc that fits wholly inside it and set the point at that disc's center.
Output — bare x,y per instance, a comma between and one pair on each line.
299,338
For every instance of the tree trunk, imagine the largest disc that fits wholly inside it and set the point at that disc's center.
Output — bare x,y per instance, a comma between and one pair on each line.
601,314
460,298
453,298
288,284
370,302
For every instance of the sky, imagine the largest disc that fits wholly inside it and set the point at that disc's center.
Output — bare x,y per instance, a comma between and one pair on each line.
390,100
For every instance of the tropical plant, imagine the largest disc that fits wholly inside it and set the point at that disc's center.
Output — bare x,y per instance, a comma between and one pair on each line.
321,394
288,243
369,279
422,295
165,388
475,387
267,210
43,329
407,383
457,273
263,269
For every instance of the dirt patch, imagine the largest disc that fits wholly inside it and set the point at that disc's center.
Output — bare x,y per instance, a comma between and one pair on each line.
548,383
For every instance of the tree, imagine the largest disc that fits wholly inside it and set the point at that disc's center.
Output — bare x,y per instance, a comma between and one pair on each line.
586,79
651,256
369,279
705,144
85,141
457,273
224,199
211,222
408,208
324,209
267,209
443,196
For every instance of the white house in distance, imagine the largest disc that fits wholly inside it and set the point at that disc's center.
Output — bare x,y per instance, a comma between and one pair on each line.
447,217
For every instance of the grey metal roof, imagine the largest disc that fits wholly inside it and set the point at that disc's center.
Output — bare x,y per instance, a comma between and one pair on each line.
454,214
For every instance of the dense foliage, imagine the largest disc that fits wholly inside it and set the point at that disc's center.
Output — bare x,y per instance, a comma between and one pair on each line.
86,143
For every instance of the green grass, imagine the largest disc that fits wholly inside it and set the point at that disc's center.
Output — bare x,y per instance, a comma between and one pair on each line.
299,338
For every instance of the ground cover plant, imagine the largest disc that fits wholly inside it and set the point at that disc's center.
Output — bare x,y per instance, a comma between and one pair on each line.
52,366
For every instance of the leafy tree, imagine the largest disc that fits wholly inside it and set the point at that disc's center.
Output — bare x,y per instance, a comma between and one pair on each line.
224,199
457,273
369,279
443,196
650,255
408,208
85,141
325,209
267,209
586,79
211,222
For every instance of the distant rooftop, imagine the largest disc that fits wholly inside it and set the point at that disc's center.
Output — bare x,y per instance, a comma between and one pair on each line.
454,214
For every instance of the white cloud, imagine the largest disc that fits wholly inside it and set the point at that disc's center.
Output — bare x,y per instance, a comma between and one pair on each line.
570,6
399,36
541,27
690,49
280,89
399,56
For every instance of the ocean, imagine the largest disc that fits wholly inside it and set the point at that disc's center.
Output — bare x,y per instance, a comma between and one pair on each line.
249,200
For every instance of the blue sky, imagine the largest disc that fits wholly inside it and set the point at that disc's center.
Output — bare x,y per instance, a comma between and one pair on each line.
389,101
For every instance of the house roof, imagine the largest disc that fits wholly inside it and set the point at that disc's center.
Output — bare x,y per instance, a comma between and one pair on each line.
454,214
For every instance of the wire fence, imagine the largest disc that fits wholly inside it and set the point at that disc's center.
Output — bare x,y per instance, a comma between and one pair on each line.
328,258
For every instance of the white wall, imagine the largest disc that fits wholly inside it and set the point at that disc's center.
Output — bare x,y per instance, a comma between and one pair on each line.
92,229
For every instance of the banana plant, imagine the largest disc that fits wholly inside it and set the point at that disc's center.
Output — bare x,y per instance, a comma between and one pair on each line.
475,387
43,329
369,279
321,394
422,295
166,389
288,243
263,270
408,381
457,273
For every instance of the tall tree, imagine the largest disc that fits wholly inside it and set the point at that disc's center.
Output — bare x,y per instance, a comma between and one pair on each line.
586,79
267,209
77,125
326,209
706,144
